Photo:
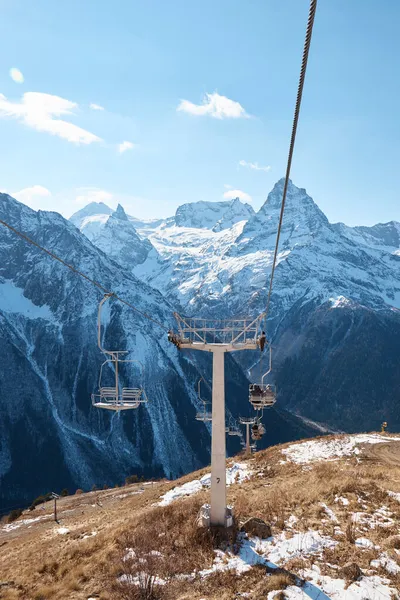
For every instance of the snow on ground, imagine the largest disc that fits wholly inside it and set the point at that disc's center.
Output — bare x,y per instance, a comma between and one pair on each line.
387,563
307,452
381,517
342,500
62,530
340,302
89,535
21,523
329,512
367,588
134,493
275,552
237,473
395,495
12,300
365,543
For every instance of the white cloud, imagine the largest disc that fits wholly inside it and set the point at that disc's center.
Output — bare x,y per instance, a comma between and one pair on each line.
125,146
16,75
232,194
227,186
214,105
39,111
86,195
34,197
255,166
94,106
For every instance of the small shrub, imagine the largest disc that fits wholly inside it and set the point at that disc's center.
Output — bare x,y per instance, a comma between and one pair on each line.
64,493
131,479
14,514
40,500
78,492
94,488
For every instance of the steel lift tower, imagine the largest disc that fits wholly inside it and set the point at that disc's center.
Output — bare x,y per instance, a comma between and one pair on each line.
217,337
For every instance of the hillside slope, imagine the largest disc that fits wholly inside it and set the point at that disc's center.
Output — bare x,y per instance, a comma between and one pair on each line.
333,505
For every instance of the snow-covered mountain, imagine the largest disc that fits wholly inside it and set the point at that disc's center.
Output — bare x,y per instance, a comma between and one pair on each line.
206,266
50,435
212,215
206,270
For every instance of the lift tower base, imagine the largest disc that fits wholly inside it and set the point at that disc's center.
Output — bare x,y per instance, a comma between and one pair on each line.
217,337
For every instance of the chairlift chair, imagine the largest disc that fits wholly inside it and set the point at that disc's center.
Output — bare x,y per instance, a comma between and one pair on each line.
263,395
111,397
204,415
233,430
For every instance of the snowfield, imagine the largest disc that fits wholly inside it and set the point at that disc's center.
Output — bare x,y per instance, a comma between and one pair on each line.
307,452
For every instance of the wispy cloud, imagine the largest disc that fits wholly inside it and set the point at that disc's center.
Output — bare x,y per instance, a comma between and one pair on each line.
85,195
227,186
16,75
125,146
232,194
41,111
214,105
94,106
255,166
34,196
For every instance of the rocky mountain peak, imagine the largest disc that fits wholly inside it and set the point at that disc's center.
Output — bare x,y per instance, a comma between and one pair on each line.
212,215
90,210
120,214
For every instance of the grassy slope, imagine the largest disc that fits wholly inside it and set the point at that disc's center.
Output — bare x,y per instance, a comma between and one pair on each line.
39,563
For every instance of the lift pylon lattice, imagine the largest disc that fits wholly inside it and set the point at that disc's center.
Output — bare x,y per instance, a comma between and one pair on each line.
217,337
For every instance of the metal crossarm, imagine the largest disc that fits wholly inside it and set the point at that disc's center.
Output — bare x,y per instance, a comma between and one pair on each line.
235,334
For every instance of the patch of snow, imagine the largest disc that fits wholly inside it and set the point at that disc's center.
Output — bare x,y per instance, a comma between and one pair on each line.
89,535
387,563
395,495
382,517
279,550
364,543
62,530
339,302
237,473
372,587
306,452
12,300
329,512
291,522
21,523
187,489
141,580
342,500
226,561
130,494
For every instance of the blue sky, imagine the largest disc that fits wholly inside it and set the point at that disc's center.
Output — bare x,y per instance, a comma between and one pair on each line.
236,65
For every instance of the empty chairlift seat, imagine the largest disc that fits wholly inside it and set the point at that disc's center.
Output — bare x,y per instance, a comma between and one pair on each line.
114,397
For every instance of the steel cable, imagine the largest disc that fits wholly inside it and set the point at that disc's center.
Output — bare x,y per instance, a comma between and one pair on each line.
307,43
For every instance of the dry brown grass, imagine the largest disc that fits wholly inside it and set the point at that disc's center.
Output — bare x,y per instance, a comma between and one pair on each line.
42,563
